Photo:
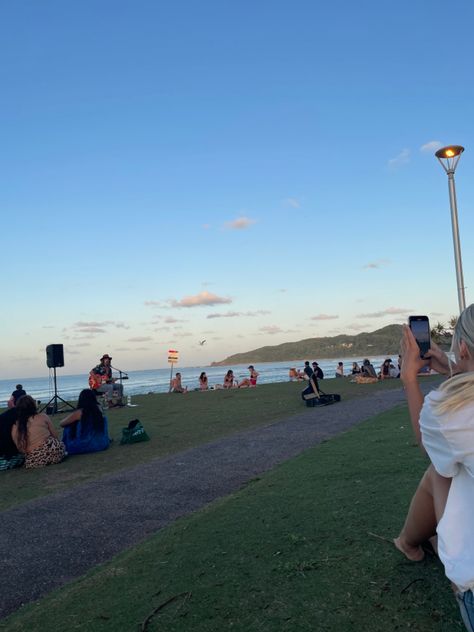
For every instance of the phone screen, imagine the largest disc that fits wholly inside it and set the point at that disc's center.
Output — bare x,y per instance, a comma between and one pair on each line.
420,327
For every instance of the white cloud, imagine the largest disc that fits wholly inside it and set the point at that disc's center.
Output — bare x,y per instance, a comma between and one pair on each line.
325,317
400,159
292,201
271,329
259,312
241,223
431,146
91,330
154,303
358,327
390,311
225,315
90,326
203,298
379,263
140,339
171,320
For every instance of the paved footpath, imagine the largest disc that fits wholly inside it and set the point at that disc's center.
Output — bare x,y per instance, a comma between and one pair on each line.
50,541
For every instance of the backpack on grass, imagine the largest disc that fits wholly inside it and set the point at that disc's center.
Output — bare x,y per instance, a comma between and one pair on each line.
134,433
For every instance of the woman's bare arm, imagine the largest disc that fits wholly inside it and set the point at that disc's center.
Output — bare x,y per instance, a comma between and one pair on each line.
411,366
70,419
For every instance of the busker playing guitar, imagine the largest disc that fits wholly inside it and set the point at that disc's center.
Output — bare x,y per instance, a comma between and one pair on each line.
101,380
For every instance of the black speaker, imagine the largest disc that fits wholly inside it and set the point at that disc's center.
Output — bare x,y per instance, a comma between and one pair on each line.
54,356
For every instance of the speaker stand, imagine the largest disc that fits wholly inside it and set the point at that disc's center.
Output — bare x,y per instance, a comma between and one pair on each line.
53,402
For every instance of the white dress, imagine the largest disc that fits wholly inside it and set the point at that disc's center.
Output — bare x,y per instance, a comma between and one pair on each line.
449,442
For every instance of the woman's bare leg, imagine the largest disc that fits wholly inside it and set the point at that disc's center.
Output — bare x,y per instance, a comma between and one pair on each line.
426,509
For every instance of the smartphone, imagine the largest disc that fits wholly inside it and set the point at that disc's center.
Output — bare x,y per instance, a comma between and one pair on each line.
420,327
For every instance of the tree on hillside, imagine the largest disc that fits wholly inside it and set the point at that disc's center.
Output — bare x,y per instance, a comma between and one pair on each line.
438,332
442,334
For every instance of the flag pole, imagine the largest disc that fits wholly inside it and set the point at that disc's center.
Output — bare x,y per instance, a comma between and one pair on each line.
171,377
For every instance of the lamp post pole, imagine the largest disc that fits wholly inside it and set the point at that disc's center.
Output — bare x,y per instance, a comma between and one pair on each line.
456,242
451,155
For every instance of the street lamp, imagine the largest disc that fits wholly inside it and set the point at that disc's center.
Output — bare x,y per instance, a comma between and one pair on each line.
449,158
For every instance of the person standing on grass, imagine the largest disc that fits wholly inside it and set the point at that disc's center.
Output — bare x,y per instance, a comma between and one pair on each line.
442,509
308,371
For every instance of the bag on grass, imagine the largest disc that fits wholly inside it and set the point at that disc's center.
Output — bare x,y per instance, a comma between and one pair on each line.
134,433
314,396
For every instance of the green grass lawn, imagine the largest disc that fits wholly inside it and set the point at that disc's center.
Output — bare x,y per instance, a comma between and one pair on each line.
292,551
174,423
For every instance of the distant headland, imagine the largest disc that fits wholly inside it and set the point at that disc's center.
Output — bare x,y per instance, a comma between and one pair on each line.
383,341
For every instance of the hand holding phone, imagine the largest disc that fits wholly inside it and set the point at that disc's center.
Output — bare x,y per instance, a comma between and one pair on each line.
420,328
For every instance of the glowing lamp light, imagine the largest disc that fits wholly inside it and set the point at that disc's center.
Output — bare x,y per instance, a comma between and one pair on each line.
449,157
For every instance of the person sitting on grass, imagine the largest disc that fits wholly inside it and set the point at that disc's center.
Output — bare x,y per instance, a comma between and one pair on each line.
293,374
203,382
340,369
355,368
15,396
385,370
367,369
229,379
251,380
85,429
35,436
443,423
9,455
176,385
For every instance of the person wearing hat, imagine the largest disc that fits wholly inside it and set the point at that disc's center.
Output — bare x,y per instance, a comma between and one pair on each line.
317,371
101,380
249,381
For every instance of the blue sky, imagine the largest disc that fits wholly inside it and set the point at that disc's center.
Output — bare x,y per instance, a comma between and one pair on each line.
235,171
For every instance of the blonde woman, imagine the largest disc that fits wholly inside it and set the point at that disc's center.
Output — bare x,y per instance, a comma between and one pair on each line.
443,424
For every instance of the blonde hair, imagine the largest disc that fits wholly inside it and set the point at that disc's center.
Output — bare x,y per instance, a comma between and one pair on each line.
459,390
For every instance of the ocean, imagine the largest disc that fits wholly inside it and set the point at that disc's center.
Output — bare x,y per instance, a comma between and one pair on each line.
157,380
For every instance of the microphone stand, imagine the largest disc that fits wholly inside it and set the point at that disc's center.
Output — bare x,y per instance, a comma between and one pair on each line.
121,374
